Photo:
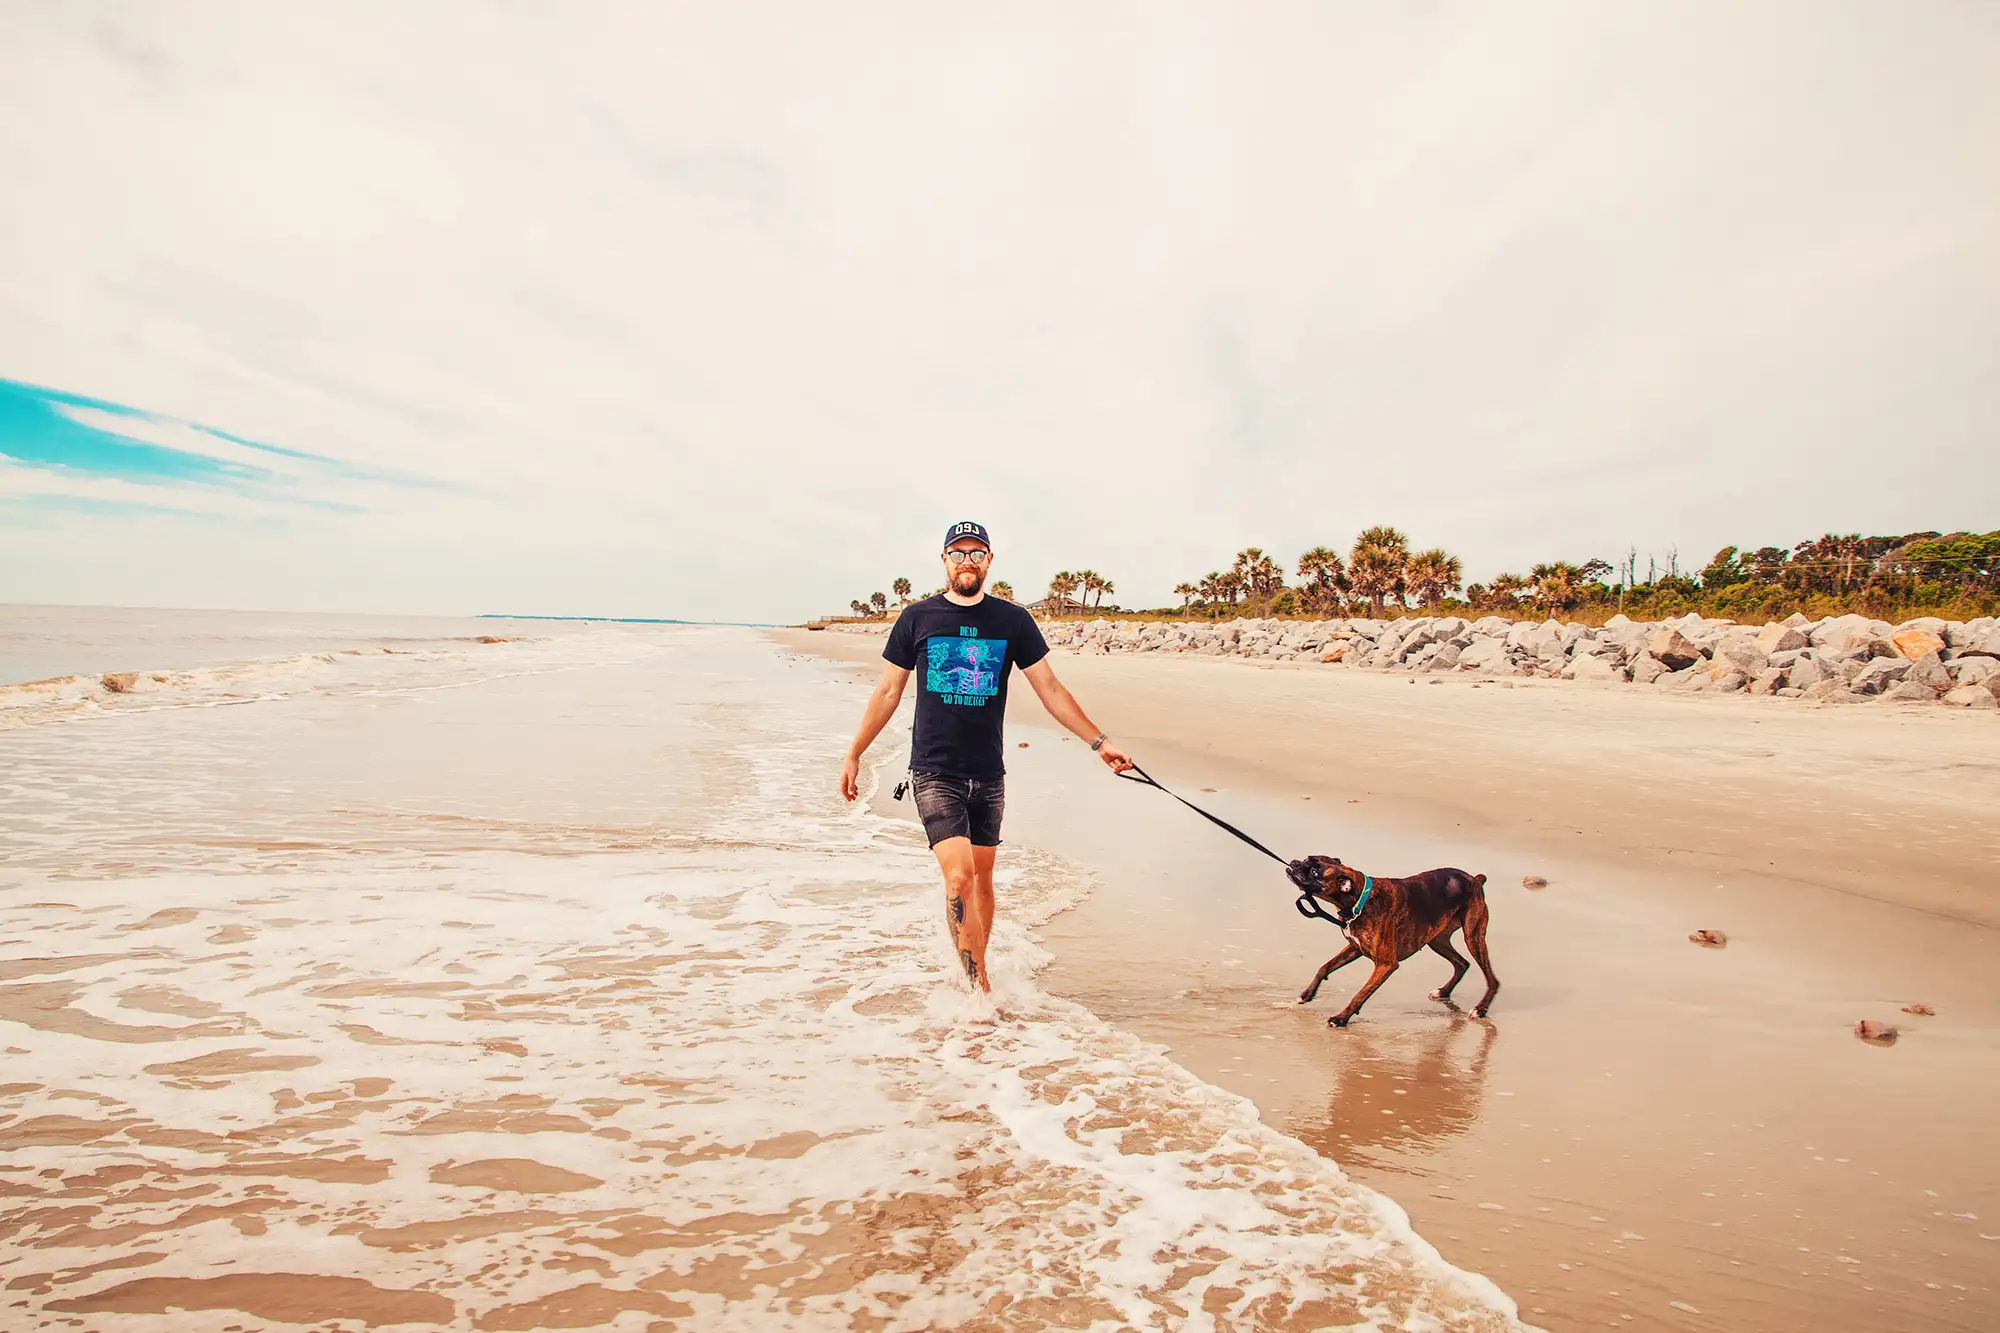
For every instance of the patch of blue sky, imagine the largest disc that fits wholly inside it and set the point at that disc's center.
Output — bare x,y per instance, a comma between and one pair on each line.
78,435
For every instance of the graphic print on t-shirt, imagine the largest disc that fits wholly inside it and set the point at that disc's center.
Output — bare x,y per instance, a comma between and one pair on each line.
964,671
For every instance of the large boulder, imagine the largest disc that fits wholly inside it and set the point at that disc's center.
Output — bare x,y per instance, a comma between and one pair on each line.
1483,653
1912,644
1981,637
1446,658
1596,669
1768,681
1648,669
1972,696
1830,690
1781,638
1804,671
1742,654
1879,674
1909,692
1929,670
1973,670
1674,648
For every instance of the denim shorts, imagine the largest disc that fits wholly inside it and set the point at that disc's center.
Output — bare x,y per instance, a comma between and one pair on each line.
960,807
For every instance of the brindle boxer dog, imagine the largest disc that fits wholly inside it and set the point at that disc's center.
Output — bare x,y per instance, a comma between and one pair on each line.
1399,917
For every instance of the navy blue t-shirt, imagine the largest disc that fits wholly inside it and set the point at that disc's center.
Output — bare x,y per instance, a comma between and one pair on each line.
960,655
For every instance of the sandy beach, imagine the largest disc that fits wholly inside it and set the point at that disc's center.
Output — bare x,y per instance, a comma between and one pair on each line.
1647,1134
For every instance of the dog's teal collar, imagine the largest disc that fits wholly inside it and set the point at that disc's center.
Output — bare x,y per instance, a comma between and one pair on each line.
1367,891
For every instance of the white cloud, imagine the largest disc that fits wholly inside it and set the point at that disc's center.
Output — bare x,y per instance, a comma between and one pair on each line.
715,310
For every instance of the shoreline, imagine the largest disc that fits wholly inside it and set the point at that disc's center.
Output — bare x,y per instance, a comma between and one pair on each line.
1683,1086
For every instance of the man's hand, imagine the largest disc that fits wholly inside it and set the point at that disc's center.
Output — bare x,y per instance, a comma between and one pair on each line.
1116,758
850,777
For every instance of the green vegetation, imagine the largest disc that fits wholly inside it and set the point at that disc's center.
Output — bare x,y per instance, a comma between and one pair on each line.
1954,575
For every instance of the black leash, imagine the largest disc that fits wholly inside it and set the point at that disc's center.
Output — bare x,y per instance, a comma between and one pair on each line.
1149,780
1308,905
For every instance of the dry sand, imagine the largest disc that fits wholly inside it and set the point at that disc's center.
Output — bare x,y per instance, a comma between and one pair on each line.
1647,1134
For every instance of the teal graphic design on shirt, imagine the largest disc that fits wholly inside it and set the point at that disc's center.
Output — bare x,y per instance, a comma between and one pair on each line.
964,671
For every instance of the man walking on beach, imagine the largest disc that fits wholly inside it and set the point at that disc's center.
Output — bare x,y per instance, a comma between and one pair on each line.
965,641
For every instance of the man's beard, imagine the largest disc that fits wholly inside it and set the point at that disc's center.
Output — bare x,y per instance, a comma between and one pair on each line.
962,575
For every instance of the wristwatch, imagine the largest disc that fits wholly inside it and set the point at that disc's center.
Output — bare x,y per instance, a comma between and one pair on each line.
1098,744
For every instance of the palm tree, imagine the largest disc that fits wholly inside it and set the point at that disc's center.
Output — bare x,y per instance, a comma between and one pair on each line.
1211,587
1432,575
1505,591
1060,587
1323,572
1557,584
860,608
1087,580
880,601
901,588
1004,591
1232,586
1375,565
1186,592
1104,588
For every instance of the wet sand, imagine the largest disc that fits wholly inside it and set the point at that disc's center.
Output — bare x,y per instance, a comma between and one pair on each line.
1647,1134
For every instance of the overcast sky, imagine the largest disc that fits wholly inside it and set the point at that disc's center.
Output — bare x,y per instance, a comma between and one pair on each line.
728,310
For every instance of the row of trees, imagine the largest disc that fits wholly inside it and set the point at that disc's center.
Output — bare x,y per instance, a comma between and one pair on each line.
1378,569
1084,590
1891,577
878,605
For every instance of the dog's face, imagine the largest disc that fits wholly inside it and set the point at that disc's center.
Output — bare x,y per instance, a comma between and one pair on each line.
1325,877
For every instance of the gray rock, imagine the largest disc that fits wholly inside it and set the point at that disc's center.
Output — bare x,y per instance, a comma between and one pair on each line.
1879,674
1483,653
1804,671
1674,648
1972,696
1685,679
1587,668
1974,670
1781,638
1743,654
1648,669
1831,690
1768,681
1928,670
1909,691
1790,692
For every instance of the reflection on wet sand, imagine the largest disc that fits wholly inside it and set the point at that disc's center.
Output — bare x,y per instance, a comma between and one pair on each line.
1399,1092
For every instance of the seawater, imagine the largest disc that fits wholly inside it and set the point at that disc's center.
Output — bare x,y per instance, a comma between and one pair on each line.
547,983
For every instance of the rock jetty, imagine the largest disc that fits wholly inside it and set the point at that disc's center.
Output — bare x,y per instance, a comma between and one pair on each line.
1841,659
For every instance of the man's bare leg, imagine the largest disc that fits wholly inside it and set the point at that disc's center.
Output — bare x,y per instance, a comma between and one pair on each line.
968,899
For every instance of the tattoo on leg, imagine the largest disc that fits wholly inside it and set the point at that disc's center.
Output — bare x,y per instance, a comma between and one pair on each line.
971,968
957,906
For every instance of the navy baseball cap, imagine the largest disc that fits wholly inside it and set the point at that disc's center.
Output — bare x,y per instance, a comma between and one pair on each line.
958,532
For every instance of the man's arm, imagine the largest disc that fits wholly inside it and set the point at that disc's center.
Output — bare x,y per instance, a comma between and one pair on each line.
881,707
1064,708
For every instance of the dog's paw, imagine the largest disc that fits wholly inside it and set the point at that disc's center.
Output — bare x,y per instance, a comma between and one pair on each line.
1480,1012
1440,994
1338,1021
1308,997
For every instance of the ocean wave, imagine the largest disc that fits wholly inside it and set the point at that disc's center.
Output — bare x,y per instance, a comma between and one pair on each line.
732,1079
35,702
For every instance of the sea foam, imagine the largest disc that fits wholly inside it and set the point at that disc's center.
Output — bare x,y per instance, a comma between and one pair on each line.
726,1076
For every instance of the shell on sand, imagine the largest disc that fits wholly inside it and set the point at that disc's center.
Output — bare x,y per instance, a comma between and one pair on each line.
1709,939
1876,1034
1922,1009
1533,882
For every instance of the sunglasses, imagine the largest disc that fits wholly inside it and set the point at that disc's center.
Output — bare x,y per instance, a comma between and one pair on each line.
974,557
